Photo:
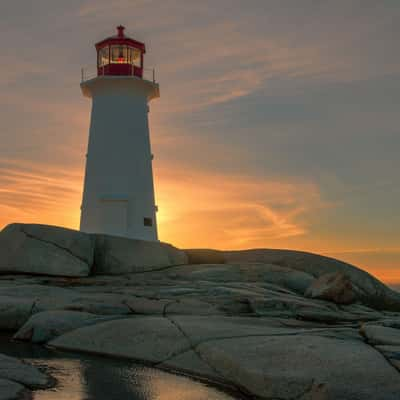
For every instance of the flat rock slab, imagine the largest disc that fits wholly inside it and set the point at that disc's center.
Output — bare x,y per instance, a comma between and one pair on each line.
14,312
48,250
152,339
142,305
303,367
116,255
99,303
381,335
96,303
190,307
257,354
390,322
45,326
326,316
191,363
37,292
245,272
392,353
19,301
201,329
169,307
10,390
17,371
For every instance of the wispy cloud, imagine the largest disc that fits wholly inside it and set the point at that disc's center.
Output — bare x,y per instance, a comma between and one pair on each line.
34,192
231,211
103,8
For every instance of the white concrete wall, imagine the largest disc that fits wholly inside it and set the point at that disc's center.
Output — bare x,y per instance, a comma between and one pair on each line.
118,190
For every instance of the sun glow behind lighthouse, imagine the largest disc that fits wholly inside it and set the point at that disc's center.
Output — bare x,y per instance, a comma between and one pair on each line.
219,220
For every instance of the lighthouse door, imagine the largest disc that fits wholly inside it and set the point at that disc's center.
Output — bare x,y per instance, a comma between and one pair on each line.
114,216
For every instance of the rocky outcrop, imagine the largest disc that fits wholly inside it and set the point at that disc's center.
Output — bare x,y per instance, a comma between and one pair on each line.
368,289
205,256
218,322
50,250
115,255
264,357
270,323
42,249
336,287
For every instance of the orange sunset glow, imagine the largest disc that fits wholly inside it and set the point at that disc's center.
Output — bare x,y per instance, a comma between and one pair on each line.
228,212
264,136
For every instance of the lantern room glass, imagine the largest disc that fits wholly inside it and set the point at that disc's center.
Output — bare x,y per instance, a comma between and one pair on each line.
135,57
118,54
103,58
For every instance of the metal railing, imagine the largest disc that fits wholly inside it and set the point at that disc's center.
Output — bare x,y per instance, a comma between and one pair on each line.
149,74
87,73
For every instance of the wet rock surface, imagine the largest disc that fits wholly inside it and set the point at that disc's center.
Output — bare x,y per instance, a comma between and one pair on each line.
275,324
18,378
10,390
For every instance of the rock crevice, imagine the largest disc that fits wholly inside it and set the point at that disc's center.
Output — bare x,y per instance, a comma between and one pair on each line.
58,246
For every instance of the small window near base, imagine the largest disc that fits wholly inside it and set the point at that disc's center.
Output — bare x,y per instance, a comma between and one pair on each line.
148,221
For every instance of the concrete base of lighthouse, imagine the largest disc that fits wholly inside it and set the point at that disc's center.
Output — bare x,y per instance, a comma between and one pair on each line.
118,197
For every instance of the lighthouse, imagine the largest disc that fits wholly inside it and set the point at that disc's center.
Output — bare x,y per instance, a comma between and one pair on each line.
118,194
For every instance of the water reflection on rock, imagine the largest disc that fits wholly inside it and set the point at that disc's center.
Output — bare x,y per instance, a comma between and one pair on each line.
82,377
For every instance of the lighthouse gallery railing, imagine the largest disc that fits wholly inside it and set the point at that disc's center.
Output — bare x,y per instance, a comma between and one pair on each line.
149,74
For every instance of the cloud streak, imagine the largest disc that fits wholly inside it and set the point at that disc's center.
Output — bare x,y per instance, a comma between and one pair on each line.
231,211
39,193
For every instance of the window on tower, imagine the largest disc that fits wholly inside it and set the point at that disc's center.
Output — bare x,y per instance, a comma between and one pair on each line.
148,221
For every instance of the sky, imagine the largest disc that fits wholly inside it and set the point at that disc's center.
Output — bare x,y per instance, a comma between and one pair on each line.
277,125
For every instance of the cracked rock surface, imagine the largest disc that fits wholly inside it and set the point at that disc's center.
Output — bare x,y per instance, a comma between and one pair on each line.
51,250
47,250
274,324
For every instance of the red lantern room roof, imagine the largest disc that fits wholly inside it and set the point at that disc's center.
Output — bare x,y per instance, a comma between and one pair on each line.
121,39
120,55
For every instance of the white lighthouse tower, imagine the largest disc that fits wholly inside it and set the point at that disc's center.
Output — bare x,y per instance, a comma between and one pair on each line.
118,195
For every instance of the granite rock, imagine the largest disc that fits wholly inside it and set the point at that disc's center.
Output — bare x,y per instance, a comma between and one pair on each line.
335,287
45,326
115,255
45,250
